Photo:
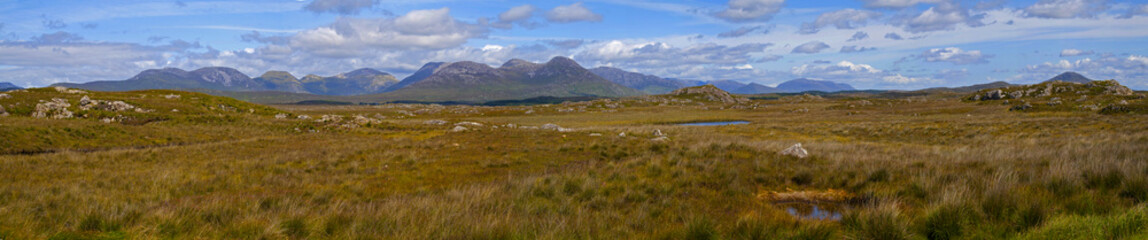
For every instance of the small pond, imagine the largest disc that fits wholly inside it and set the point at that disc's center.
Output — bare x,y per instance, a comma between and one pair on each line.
813,210
714,123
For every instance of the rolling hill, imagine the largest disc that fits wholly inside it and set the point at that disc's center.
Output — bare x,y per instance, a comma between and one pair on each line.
645,83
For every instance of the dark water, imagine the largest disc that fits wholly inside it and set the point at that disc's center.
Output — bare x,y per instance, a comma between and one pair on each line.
714,123
814,211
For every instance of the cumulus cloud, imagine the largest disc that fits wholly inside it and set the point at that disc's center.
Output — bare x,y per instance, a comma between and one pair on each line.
842,19
896,4
842,69
900,79
945,16
810,47
894,36
750,10
420,29
1131,70
1066,8
343,7
572,13
954,55
1074,52
742,31
520,15
859,36
856,49
655,55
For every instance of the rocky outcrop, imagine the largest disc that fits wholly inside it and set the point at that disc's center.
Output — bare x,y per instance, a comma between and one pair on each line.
55,109
709,93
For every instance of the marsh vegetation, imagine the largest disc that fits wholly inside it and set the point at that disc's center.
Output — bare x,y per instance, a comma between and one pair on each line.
932,167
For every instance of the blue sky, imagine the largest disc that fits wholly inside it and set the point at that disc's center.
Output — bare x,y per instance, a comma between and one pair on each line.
871,44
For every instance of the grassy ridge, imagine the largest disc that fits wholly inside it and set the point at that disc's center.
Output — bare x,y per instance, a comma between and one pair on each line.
920,168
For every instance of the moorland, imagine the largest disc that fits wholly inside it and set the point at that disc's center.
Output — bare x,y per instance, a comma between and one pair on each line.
1050,161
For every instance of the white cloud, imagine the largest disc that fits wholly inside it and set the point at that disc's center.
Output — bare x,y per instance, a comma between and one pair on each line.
572,13
842,19
1066,8
1074,52
750,10
420,29
856,49
658,54
954,55
943,17
344,7
901,79
810,47
520,15
840,70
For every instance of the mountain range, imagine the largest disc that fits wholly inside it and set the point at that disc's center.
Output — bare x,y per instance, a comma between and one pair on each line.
515,79
5,86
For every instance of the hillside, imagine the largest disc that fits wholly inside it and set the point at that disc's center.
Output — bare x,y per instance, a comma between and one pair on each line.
357,82
754,88
645,83
517,79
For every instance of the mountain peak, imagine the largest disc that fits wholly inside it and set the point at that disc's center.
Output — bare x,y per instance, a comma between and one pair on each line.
277,75
222,75
516,62
563,61
1070,77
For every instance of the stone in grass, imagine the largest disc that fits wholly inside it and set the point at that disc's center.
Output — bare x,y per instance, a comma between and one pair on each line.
458,129
796,150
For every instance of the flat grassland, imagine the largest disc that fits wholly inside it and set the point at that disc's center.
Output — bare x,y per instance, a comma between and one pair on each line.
934,167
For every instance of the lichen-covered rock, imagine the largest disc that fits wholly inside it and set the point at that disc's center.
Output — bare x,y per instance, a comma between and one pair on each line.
281,116
434,122
330,118
5,95
658,133
171,96
56,109
796,151
459,129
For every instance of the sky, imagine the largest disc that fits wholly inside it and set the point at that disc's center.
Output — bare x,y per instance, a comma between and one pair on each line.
870,44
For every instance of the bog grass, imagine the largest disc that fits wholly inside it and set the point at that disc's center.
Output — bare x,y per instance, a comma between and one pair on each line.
920,168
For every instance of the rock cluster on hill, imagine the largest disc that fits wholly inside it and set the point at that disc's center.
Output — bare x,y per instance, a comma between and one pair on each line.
708,93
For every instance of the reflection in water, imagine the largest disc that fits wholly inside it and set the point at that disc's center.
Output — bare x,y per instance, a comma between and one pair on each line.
813,211
714,123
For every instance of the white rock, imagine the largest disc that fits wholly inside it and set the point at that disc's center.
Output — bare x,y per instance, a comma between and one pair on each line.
658,133
171,96
472,124
434,122
281,116
5,95
660,139
623,134
459,129
595,134
796,150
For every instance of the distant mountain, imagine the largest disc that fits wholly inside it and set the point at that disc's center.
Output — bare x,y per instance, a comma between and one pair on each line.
214,78
516,79
727,85
804,85
361,81
646,83
1070,77
5,86
754,88
357,82
972,88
